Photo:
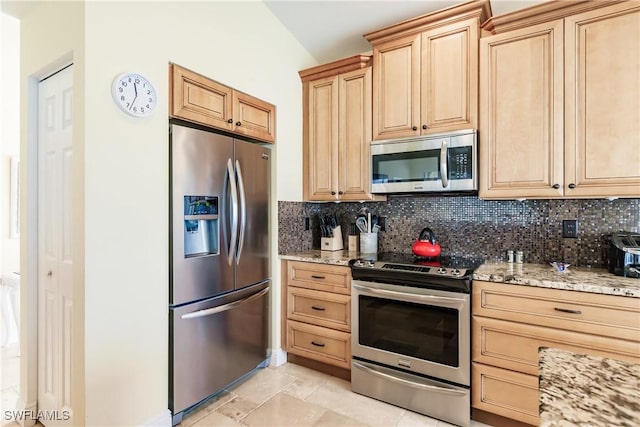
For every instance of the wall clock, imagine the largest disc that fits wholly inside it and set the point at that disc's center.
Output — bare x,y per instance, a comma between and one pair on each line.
134,94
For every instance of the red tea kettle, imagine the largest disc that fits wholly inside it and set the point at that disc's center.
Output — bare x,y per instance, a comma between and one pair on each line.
426,245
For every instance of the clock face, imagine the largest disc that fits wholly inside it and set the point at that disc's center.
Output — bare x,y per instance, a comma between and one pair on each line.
134,94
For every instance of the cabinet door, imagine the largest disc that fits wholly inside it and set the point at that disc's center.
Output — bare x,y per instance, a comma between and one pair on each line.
354,135
322,136
521,104
603,102
449,84
253,117
201,100
396,88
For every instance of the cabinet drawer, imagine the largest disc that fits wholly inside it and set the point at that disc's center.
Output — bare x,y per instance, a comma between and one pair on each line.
515,346
506,393
322,277
607,315
318,343
320,308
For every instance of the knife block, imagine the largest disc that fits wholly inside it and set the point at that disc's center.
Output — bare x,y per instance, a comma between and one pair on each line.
332,243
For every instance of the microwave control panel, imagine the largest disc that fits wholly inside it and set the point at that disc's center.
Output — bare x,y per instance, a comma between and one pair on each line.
460,163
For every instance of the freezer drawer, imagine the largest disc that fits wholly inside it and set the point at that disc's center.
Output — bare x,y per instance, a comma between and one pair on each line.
215,342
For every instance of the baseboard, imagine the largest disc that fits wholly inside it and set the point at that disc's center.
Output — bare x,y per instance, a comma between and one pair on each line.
278,357
162,420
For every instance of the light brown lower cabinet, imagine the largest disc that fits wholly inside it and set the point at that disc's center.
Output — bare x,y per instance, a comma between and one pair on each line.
317,313
511,322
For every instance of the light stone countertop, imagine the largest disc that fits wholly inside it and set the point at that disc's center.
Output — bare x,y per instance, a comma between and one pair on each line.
585,390
596,280
322,257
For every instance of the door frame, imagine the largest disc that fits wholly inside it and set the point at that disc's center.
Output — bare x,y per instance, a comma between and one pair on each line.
29,144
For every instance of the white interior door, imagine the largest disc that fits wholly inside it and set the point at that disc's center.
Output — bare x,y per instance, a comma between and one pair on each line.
55,297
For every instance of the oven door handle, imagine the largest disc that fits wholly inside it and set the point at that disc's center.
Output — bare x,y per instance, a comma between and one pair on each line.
407,382
406,296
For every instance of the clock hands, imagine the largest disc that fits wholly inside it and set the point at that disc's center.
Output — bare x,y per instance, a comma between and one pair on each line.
135,90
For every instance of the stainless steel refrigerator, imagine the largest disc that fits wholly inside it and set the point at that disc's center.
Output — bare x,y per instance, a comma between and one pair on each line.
219,263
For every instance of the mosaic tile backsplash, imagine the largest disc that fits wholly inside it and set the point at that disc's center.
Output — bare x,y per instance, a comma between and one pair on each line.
468,226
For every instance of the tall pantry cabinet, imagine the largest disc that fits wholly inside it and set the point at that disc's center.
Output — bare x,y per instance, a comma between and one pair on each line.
560,102
337,130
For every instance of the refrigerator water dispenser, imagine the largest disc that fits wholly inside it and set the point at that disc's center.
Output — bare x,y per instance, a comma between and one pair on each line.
201,226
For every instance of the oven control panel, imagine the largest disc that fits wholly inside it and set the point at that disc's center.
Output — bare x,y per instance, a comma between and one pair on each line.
420,269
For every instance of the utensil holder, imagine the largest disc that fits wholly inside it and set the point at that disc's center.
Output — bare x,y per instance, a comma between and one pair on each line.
332,243
369,243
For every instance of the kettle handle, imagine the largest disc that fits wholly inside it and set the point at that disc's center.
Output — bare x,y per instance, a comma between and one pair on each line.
427,234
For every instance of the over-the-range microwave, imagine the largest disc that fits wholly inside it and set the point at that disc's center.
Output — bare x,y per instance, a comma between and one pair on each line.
445,162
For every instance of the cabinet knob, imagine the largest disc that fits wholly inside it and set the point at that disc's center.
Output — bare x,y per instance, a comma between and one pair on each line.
238,123
572,186
333,193
340,193
415,128
555,186
424,127
230,121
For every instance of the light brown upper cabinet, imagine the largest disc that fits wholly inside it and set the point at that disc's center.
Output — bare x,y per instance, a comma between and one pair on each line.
337,130
425,72
560,103
198,99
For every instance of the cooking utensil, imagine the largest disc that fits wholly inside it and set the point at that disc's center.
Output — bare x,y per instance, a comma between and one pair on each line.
426,245
361,223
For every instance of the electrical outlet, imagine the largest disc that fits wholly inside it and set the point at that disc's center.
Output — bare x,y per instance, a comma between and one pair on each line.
306,224
382,222
570,228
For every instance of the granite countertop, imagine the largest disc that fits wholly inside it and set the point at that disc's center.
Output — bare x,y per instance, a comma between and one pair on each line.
596,280
584,390
322,257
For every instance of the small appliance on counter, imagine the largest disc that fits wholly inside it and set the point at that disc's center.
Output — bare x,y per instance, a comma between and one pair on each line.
426,246
624,254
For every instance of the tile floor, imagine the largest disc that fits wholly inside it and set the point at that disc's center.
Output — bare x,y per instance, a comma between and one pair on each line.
292,395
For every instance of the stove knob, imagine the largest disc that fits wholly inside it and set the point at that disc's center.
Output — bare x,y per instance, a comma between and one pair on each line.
457,272
359,263
442,270
370,263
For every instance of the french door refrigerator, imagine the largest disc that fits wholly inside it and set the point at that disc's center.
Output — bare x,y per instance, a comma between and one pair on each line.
219,263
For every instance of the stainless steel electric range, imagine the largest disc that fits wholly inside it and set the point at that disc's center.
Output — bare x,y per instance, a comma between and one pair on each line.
411,339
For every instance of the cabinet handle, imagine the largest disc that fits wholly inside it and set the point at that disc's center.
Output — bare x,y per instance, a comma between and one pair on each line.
315,307
555,186
314,276
572,186
317,344
567,310
415,128
424,127
238,123
230,121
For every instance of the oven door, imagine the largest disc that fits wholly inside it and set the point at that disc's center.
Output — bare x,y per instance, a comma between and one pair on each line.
419,330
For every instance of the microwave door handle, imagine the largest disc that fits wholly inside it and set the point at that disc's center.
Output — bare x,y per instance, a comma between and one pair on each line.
444,174
243,211
234,212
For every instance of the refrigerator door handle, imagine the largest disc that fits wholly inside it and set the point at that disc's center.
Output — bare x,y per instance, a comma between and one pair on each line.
234,212
243,211
225,307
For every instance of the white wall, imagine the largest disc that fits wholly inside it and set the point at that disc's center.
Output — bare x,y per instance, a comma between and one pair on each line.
52,35
9,133
239,44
